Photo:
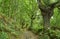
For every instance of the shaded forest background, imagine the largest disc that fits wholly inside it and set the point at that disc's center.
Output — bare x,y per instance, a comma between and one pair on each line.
22,19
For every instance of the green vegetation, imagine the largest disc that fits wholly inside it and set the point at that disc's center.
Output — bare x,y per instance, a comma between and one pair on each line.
23,19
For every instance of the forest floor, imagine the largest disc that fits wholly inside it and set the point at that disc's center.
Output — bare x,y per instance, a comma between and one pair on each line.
25,35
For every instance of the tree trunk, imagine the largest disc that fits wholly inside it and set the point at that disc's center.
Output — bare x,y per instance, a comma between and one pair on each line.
46,23
46,19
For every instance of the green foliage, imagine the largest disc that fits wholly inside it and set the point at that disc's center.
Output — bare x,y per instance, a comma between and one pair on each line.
3,35
16,15
49,2
53,1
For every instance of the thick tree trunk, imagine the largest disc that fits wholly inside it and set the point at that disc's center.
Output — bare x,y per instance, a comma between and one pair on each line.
46,19
46,23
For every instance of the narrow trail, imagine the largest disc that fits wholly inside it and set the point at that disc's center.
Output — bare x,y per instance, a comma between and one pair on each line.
28,35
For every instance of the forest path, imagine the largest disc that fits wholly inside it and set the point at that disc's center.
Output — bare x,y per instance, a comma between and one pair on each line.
28,35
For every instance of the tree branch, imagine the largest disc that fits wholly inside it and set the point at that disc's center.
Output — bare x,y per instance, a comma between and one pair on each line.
56,4
40,5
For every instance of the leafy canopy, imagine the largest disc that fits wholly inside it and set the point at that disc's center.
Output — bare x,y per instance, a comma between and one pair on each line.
49,2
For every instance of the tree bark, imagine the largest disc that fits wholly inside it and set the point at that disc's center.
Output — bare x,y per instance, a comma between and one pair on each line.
46,19
47,12
46,22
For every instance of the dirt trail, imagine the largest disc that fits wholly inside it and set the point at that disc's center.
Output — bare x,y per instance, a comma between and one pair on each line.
24,35
28,35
